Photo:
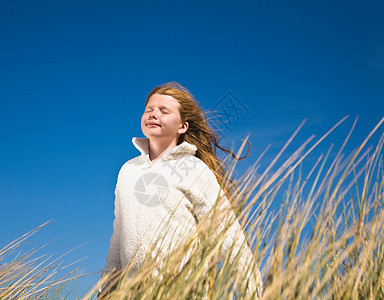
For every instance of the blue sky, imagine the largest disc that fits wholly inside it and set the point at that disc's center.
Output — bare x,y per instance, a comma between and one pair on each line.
74,76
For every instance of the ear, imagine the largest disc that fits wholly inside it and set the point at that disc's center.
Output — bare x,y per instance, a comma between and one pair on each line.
183,128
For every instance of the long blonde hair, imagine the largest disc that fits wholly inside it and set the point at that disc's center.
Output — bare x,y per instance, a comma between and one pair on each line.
199,133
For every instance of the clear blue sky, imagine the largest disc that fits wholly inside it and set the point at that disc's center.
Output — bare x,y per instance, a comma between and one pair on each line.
74,76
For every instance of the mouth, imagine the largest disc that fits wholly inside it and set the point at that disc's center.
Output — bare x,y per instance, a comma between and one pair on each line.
150,124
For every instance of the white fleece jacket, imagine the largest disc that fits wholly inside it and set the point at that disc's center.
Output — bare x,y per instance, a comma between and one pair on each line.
147,194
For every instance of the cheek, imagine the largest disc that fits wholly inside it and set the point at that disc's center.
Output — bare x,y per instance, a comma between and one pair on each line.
170,120
142,122
174,123
142,118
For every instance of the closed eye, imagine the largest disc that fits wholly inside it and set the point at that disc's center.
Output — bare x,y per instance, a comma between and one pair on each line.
165,111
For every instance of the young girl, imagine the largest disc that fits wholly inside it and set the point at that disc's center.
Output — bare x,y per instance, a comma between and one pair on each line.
173,183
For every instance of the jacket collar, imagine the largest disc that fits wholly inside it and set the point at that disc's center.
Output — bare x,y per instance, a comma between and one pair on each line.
181,150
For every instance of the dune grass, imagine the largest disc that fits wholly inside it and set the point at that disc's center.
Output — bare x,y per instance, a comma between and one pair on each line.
325,241
30,274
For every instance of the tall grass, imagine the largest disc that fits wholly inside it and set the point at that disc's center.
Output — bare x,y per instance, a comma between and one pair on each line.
324,242
29,274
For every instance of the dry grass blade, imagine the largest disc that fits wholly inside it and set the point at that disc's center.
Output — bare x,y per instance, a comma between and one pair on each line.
329,248
27,276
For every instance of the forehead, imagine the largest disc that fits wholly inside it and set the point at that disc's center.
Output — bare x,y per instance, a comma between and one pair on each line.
163,100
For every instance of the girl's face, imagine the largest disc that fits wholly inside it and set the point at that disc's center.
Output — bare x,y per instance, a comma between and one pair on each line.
161,119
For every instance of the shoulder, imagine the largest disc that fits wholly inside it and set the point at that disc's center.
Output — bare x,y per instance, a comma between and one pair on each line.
204,187
198,169
186,170
130,165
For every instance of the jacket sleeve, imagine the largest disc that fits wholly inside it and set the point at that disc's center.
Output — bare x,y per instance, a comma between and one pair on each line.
113,256
234,238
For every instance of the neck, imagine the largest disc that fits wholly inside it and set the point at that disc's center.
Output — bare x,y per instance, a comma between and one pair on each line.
158,148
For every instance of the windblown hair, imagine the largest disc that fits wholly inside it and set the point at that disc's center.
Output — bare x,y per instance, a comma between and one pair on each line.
199,133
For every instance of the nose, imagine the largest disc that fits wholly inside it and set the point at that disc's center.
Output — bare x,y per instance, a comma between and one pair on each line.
153,114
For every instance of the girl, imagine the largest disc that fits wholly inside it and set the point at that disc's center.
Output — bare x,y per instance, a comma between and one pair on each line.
171,185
